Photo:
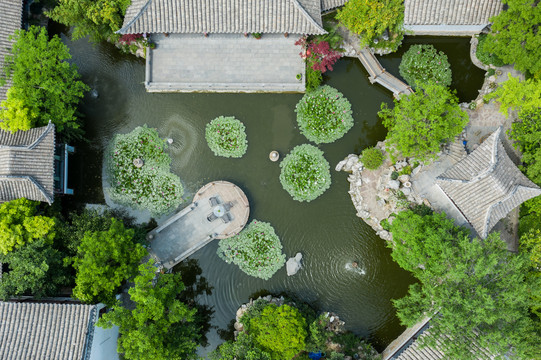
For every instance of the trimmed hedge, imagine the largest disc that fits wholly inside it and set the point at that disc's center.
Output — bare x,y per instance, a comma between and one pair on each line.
305,173
324,115
372,158
226,136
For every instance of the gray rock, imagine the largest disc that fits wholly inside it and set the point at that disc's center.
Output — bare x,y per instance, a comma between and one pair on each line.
393,184
340,165
293,265
364,214
403,178
406,191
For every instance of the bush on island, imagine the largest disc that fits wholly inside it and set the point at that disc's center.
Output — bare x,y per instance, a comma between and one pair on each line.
372,158
324,115
423,63
305,173
226,136
256,250
148,185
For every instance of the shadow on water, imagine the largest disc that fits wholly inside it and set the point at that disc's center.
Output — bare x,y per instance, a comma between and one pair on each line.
195,286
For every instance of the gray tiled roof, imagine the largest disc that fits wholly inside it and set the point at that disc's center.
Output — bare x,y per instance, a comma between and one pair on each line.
223,16
27,164
44,331
450,12
486,185
331,4
10,20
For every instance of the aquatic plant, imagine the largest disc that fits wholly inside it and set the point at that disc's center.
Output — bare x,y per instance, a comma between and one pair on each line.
305,173
226,136
324,115
256,250
423,63
148,187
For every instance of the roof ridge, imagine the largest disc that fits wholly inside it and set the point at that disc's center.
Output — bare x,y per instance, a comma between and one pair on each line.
307,15
135,18
42,136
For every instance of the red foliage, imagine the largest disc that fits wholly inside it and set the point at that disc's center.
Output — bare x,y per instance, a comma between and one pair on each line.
129,38
318,54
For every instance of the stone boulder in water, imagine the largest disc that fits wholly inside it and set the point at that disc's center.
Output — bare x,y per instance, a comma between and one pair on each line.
293,265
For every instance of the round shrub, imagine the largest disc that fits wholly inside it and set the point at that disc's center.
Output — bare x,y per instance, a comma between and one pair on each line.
226,137
149,187
256,250
305,173
372,158
324,115
423,63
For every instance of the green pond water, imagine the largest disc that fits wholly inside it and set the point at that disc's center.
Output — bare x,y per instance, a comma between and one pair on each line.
326,230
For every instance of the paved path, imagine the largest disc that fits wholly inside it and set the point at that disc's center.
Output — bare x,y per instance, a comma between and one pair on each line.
190,229
224,63
376,72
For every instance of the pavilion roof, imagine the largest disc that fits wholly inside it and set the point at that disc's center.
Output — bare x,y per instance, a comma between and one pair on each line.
27,164
223,16
486,185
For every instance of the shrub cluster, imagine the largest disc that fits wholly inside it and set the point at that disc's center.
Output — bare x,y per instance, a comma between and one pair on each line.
305,173
226,136
423,63
484,55
372,158
151,187
324,115
256,250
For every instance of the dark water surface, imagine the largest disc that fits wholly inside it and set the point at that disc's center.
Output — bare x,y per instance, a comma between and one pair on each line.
326,231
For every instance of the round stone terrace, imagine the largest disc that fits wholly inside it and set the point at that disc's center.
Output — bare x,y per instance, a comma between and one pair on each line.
228,197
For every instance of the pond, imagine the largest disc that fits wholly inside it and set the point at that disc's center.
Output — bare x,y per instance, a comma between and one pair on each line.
326,231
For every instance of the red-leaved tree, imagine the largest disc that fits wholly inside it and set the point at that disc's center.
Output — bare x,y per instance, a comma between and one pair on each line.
318,54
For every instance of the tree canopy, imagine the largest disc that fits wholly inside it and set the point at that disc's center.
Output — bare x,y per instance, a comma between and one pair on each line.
20,224
45,87
473,289
104,260
280,331
370,18
522,96
160,327
420,122
34,269
98,19
514,36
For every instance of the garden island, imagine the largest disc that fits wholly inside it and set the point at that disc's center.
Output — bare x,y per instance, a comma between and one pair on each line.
398,216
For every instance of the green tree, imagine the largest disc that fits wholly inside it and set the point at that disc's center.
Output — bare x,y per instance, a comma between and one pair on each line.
420,122
243,348
370,18
472,289
45,87
34,269
20,225
527,136
514,35
280,331
98,19
104,260
160,327
530,245
523,96
420,243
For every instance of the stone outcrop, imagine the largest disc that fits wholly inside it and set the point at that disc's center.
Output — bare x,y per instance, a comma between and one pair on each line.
376,194
293,265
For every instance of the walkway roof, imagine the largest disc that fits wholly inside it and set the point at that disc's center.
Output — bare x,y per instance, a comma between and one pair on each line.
223,16
10,20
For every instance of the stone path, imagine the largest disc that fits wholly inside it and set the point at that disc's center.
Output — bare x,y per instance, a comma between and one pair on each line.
224,63
376,72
